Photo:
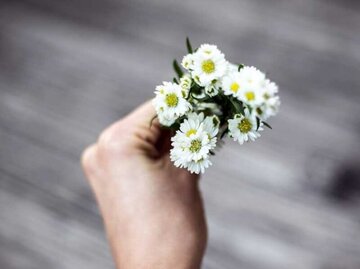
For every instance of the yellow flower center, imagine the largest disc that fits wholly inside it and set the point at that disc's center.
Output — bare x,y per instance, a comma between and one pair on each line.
245,125
234,87
190,132
208,66
171,100
195,146
250,96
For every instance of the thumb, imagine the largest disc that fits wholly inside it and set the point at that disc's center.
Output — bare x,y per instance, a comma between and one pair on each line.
143,122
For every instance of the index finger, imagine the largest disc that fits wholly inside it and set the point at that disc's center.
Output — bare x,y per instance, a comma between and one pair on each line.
143,115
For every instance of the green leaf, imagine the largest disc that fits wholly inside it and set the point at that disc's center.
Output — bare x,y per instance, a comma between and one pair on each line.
177,69
240,67
175,126
249,108
257,123
196,89
212,153
242,109
235,105
175,80
238,106
267,125
188,45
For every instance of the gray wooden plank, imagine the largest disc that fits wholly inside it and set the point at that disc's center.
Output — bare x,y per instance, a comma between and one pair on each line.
39,231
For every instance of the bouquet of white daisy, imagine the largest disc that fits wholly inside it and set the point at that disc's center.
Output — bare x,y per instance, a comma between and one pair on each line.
211,98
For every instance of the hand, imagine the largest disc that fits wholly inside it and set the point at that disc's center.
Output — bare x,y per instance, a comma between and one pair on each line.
153,212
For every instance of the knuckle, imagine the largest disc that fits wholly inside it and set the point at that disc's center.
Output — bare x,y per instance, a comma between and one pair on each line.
87,158
111,140
105,139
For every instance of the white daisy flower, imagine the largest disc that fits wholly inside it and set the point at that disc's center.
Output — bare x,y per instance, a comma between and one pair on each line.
269,108
185,84
192,124
271,102
252,97
195,146
188,62
209,64
270,89
166,119
196,167
212,89
199,166
242,128
209,124
211,127
169,103
193,142
231,68
252,82
232,84
252,77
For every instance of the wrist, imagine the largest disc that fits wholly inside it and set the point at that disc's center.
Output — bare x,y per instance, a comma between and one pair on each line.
185,253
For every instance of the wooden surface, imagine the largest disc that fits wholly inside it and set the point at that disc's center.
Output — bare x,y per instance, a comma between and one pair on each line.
70,68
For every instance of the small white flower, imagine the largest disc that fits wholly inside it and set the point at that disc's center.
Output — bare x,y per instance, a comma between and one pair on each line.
269,108
185,84
242,128
232,84
252,82
188,62
169,103
192,124
209,124
166,119
211,127
193,142
271,102
252,77
269,89
231,68
197,122
246,85
209,64
194,147
199,166
252,97
212,90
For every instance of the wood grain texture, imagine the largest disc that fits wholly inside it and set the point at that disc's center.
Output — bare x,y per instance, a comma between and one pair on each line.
70,68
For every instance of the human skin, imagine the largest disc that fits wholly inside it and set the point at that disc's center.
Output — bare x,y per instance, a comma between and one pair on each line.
153,212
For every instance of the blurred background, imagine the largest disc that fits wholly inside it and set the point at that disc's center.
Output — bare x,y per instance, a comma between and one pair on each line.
70,68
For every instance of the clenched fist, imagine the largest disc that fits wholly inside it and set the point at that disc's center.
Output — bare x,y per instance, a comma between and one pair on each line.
153,212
